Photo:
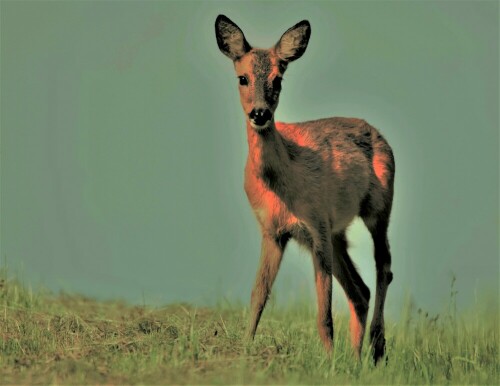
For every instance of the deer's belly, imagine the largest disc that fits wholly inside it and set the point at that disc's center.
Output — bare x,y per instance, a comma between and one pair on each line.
274,216
341,221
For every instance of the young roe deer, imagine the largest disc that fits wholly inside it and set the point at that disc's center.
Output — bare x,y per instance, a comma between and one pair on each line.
308,181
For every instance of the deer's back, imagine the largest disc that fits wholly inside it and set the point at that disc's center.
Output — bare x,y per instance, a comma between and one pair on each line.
338,136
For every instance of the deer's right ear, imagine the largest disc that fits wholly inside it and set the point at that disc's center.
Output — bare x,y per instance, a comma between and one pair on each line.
230,38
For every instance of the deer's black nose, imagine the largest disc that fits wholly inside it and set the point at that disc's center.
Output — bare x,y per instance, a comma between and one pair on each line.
260,116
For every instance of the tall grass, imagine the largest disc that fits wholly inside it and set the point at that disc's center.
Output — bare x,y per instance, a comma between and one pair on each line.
72,339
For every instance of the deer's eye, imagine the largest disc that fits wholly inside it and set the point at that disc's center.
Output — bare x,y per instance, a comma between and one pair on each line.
243,80
277,83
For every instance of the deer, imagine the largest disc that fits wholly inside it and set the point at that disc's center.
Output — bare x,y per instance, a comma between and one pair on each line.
308,181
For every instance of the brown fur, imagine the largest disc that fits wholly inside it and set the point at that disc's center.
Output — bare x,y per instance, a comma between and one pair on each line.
308,181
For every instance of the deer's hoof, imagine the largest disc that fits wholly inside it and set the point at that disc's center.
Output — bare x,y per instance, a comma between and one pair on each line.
378,345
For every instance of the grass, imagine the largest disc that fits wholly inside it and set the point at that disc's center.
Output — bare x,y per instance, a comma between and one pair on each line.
69,339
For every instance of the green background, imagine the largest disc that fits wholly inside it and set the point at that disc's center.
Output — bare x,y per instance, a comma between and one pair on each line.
123,143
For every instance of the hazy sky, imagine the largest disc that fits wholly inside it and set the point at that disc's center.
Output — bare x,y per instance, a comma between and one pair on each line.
123,143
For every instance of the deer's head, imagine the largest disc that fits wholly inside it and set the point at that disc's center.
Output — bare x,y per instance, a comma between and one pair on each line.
260,71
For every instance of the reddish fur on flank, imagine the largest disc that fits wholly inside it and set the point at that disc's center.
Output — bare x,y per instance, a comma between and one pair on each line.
380,168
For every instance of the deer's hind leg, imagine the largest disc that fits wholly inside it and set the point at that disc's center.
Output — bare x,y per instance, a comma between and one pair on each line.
377,224
375,210
358,294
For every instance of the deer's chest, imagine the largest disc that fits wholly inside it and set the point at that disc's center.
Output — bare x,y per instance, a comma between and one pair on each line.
271,211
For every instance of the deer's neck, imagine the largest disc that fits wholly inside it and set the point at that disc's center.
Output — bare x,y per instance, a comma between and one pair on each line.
266,152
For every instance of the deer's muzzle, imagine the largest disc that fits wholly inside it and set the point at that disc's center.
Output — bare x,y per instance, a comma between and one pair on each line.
260,117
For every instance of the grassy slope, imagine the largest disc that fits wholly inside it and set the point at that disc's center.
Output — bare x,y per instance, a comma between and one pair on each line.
71,339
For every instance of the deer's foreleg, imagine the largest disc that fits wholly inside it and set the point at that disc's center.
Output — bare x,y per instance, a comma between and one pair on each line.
323,260
270,259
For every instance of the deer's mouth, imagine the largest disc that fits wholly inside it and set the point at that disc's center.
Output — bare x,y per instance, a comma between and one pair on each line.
260,127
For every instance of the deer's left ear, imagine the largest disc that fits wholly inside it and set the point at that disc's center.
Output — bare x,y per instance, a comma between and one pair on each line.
293,43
